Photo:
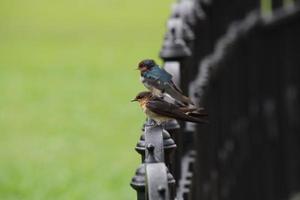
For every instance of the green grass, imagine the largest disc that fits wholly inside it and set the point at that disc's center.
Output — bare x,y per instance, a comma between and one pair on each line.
67,128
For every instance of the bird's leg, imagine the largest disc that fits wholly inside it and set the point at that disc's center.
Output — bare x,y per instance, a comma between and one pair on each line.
150,122
153,122
164,125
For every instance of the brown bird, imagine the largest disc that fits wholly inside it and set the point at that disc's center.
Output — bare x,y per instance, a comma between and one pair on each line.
161,111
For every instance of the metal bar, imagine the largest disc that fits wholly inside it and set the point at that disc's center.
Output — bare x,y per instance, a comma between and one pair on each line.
154,144
156,175
250,84
248,90
185,183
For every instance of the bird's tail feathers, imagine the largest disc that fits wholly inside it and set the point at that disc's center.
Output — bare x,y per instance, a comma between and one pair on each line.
198,114
187,100
179,97
195,114
197,119
191,118
194,110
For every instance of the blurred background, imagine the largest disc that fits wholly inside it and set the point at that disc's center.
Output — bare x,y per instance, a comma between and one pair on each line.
67,127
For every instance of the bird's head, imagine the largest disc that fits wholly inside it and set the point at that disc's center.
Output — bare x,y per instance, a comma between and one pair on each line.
146,65
142,96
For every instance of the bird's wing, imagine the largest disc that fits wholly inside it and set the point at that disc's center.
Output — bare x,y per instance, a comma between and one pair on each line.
164,108
158,73
162,80
193,111
150,82
151,75
176,93
154,80
165,76
174,86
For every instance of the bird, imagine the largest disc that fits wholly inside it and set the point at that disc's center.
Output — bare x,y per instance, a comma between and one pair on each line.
159,81
159,110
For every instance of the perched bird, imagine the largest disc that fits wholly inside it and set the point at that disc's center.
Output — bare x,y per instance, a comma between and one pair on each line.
161,111
159,81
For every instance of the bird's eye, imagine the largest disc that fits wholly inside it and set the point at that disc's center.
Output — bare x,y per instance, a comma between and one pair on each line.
141,65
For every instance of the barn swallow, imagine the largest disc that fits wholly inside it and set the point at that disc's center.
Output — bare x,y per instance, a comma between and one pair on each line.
161,111
159,81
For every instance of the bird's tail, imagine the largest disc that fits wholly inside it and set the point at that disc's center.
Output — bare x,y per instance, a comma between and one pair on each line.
187,100
179,97
199,120
198,115
194,111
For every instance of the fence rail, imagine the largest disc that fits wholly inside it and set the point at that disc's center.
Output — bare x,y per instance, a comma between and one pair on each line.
241,62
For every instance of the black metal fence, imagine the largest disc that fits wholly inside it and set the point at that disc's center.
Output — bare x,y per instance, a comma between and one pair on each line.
241,62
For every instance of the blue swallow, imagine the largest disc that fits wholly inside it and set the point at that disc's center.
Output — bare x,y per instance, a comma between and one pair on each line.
159,81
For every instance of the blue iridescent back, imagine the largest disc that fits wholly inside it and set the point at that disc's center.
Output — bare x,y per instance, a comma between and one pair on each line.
158,73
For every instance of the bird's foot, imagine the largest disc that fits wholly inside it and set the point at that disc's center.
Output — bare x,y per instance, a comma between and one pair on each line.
164,125
151,122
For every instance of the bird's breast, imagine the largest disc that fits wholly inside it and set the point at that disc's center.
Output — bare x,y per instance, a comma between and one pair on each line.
156,117
142,79
143,105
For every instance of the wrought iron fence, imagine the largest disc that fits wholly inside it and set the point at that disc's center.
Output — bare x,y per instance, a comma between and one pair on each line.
242,63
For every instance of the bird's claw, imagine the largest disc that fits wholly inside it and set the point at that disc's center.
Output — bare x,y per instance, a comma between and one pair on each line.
150,122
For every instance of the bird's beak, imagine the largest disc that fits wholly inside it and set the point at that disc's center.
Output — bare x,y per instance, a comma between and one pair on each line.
133,100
